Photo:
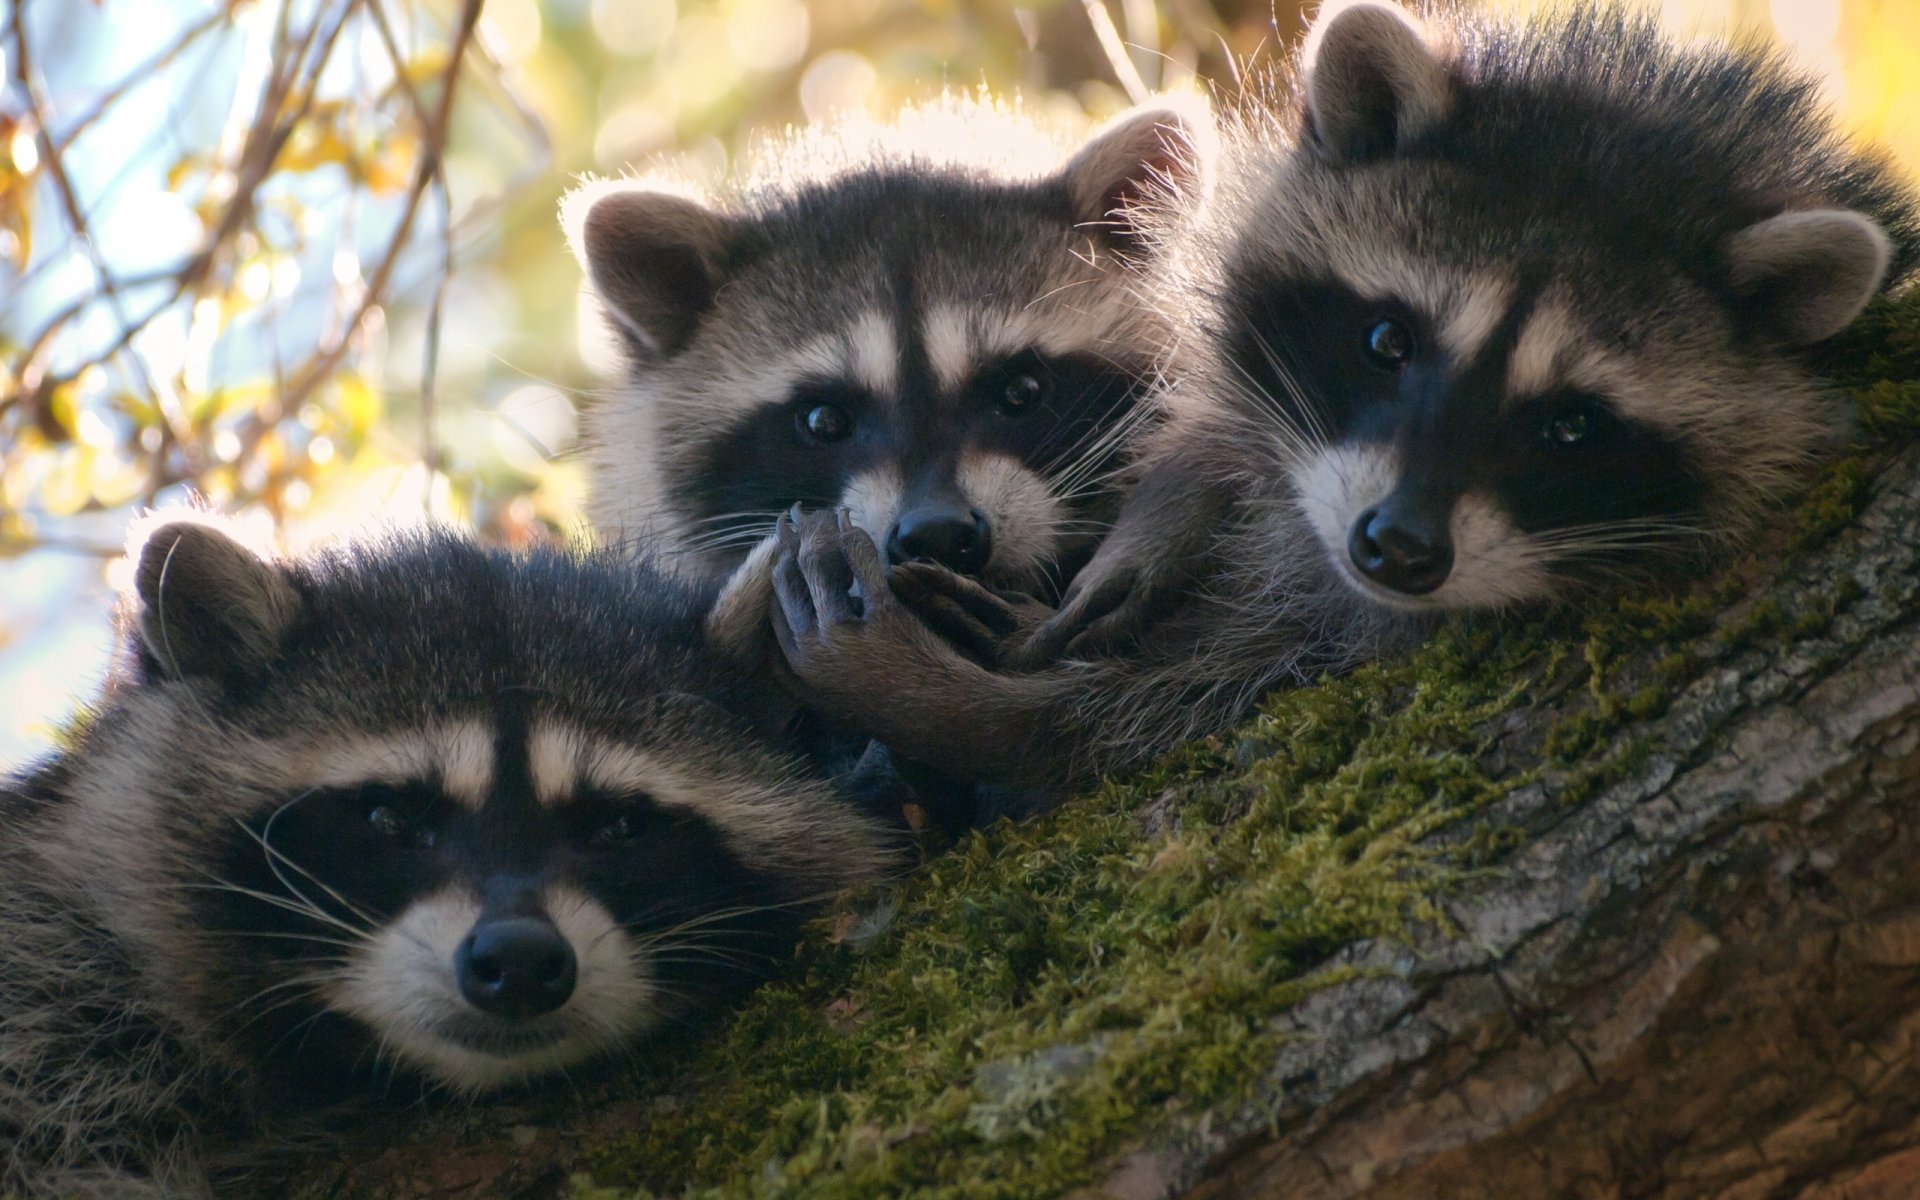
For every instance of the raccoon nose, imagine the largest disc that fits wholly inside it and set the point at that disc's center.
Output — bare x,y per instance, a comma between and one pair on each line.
1408,555
515,967
958,540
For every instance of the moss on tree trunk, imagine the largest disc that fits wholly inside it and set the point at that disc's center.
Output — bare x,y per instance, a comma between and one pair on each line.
1618,902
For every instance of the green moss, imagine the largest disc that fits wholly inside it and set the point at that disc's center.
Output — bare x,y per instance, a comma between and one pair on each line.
1049,991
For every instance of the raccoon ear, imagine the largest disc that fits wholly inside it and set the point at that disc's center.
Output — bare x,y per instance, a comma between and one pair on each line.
208,605
1158,154
1807,275
1373,83
653,257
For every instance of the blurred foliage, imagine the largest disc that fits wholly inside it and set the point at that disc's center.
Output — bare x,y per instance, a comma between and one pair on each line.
299,257
365,306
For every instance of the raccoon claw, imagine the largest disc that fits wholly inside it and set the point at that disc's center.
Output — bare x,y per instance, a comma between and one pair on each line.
827,576
817,576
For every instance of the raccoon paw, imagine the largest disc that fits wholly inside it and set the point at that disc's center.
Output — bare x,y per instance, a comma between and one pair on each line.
834,615
983,623
1104,610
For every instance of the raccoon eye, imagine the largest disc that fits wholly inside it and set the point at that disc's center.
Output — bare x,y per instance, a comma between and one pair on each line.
1574,422
824,422
617,832
389,823
1389,342
1022,394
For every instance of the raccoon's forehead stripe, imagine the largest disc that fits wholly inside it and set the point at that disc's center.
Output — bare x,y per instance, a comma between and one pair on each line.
864,352
1540,353
960,338
1478,307
460,755
870,353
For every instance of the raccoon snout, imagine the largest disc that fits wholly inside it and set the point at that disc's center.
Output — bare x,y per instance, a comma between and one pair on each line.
515,967
958,539
1410,552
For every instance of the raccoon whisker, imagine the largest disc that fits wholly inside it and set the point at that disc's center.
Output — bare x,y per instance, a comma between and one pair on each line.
300,987
317,939
1065,287
1094,462
276,857
1315,427
298,905
722,914
719,541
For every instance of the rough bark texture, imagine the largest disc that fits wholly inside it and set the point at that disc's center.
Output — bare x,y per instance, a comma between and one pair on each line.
1701,983
1676,953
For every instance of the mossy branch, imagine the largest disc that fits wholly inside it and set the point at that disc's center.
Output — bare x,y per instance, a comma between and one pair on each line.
1617,900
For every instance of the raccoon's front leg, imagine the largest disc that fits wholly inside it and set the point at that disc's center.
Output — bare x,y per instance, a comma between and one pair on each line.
1154,552
864,657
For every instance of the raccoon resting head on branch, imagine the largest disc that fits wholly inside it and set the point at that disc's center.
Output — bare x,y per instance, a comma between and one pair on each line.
406,809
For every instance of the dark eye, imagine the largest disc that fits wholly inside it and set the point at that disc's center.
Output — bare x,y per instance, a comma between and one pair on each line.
617,832
389,822
1022,394
1574,422
824,422
1389,342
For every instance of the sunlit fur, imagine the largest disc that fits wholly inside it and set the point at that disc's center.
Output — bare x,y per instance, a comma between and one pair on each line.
904,267
1564,203
205,928
1568,210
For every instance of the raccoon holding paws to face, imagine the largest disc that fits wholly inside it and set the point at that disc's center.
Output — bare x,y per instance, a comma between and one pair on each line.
925,322
415,809
1483,314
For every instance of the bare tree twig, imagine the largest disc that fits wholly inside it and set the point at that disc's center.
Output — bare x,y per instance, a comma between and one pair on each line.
432,147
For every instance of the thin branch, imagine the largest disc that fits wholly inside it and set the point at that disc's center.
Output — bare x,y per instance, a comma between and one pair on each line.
1115,50
432,146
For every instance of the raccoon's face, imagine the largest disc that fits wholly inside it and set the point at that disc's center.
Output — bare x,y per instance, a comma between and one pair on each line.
1484,393
967,434
955,359
480,819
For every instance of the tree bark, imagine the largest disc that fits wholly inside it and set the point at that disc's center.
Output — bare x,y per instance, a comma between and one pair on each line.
1704,982
1701,981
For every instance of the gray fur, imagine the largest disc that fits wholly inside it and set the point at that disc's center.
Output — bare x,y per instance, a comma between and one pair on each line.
1566,202
142,1053
841,256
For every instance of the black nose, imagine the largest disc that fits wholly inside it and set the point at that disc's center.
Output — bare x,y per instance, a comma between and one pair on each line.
515,967
1408,555
957,539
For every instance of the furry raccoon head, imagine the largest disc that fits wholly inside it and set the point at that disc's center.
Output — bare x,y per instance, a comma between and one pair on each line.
431,805
1521,306
949,349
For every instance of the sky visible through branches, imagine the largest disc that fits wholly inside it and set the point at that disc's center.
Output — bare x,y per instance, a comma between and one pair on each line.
296,259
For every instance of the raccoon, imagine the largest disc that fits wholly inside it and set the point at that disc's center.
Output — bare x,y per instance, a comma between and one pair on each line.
1480,318
410,810
910,321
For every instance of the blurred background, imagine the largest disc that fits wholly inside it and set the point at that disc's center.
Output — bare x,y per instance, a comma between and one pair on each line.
298,258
